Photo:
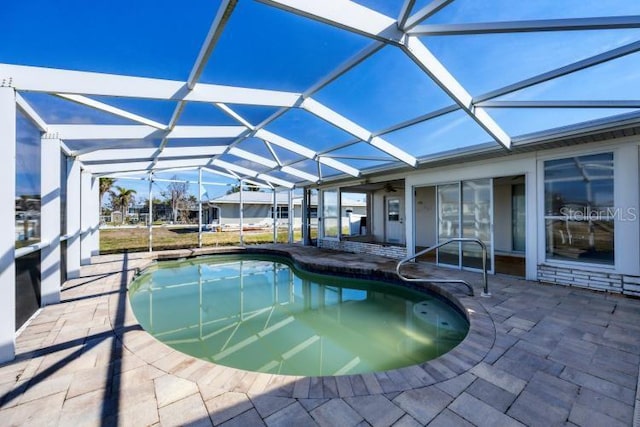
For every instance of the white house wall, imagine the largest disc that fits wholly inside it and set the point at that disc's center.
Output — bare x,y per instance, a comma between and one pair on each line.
252,214
626,196
425,217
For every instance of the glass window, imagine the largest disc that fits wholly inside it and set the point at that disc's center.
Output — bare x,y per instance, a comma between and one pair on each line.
579,208
330,213
282,212
393,211
354,213
518,215
27,182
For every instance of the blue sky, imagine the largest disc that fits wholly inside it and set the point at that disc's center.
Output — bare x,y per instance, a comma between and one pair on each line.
263,47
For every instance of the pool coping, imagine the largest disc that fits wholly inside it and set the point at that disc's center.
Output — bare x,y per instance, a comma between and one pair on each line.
213,378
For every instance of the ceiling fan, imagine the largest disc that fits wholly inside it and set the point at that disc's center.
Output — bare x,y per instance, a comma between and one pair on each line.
389,188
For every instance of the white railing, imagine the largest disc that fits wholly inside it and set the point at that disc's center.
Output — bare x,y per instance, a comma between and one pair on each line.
485,292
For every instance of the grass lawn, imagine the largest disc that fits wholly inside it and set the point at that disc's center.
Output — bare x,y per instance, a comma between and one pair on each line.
137,239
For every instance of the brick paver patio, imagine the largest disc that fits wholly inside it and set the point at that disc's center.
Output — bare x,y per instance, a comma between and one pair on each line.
535,355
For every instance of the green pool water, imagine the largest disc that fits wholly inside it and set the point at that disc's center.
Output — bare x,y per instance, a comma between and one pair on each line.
259,313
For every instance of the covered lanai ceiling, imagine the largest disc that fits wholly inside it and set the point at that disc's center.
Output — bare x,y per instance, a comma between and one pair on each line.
292,92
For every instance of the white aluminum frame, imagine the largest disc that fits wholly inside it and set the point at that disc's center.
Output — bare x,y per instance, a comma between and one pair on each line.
401,32
7,219
50,256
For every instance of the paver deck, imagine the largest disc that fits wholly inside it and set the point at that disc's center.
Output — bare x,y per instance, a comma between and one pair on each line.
535,355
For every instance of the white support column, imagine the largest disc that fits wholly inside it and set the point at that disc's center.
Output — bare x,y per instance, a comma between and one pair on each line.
199,207
86,219
291,215
305,220
94,216
73,218
241,183
275,216
150,219
8,224
50,220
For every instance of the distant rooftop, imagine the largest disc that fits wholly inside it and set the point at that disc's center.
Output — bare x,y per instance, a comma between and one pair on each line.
266,198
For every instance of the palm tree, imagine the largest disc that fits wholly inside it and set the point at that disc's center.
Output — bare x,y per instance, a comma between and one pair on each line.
105,186
121,199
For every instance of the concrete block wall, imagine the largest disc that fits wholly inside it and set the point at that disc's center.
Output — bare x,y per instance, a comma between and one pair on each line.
396,252
597,280
631,286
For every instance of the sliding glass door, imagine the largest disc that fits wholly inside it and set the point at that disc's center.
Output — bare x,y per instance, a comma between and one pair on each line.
465,210
476,220
449,223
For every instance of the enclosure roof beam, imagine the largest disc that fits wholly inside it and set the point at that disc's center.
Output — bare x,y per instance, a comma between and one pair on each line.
356,157
419,53
344,14
243,154
207,150
285,143
179,163
424,13
275,181
359,19
235,115
574,24
356,130
93,132
561,104
38,79
31,114
107,155
300,174
206,132
215,30
344,67
233,167
338,165
404,13
105,132
112,110
217,26
132,167
125,175
127,167
250,173
219,173
609,55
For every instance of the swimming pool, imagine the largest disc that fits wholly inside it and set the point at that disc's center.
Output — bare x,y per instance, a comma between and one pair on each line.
260,313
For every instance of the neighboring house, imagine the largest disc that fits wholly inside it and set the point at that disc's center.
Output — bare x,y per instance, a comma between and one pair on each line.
258,210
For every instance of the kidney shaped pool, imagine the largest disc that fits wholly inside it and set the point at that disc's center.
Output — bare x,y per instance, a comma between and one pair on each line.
260,313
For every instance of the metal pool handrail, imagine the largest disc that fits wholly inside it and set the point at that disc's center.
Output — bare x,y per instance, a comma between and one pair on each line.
485,292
